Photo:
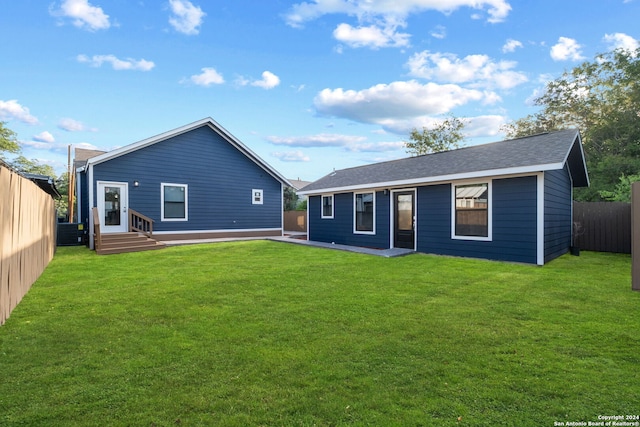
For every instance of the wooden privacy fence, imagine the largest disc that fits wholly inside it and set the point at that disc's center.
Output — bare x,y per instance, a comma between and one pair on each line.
295,221
27,237
602,226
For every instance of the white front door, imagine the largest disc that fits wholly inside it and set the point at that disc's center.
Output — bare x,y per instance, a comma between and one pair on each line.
113,206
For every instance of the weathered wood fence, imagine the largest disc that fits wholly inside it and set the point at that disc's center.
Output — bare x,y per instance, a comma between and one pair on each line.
27,237
295,221
602,226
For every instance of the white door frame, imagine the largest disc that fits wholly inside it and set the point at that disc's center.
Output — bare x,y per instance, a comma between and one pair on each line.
123,207
392,216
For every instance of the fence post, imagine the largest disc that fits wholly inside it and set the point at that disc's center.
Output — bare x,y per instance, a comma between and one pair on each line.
635,236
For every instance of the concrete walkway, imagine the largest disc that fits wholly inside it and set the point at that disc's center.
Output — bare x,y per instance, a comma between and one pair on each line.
387,253
294,238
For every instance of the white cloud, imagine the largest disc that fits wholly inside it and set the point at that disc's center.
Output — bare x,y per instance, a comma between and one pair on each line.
71,125
439,32
621,41
397,100
511,45
117,64
291,156
475,70
390,11
566,49
478,126
13,110
351,143
208,77
488,125
319,140
268,81
375,147
186,18
44,137
83,14
39,145
371,36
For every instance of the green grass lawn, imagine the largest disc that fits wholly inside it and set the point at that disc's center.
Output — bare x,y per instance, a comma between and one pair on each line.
271,334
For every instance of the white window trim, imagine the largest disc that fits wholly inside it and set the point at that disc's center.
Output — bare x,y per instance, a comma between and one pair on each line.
253,196
489,237
186,202
333,206
355,213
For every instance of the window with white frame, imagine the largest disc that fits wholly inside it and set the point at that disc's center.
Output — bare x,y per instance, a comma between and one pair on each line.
364,212
174,202
327,207
472,211
257,197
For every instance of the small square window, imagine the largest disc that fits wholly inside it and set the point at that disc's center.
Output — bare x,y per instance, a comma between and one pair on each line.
257,196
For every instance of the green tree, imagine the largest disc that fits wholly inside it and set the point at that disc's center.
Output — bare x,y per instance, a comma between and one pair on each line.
602,99
24,165
622,191
290,199
444,136
8,141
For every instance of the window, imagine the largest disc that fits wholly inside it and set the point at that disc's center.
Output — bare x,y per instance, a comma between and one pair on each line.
327,207
471,211
364,213
174,202
256,198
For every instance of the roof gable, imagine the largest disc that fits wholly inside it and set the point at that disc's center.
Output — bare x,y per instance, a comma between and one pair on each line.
548,151
209,122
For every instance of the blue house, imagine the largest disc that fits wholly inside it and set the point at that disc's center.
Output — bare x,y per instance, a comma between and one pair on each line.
508,200
195,182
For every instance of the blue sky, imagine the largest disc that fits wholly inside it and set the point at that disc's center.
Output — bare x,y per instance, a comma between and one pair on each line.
309,86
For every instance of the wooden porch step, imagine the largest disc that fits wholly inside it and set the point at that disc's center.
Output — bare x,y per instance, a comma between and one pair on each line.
127,242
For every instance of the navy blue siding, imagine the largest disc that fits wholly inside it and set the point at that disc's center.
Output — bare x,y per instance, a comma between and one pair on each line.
557,213
514,222
219,176
339,230
83,213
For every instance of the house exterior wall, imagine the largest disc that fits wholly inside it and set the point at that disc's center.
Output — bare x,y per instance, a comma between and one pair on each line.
557,213
339,229
220,180
83,202
514,222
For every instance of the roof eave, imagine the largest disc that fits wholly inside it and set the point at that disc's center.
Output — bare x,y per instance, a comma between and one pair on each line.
436,179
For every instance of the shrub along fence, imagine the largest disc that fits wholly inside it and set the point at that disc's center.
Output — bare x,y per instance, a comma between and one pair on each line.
27,237
602,226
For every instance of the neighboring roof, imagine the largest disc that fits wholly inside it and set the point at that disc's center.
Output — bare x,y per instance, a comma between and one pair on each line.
208,121
46,183
536,153
81,155
298,184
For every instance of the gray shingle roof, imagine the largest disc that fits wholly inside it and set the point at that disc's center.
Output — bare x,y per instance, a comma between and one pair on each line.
547,151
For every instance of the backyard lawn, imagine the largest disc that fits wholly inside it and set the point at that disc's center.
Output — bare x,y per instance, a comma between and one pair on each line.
272,334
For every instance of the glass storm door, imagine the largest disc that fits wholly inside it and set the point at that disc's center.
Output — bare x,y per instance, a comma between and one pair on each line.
113,203
404,220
